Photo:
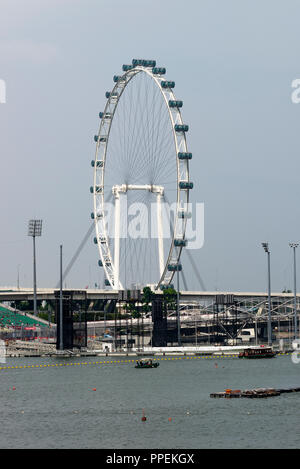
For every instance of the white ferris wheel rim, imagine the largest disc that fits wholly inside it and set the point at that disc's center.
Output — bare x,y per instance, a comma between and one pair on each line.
182,166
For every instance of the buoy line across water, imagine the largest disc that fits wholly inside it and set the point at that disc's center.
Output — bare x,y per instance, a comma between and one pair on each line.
116,362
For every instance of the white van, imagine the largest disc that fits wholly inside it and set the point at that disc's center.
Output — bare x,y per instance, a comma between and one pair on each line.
247,335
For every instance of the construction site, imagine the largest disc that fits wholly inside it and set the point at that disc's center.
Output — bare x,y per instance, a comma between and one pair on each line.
98,321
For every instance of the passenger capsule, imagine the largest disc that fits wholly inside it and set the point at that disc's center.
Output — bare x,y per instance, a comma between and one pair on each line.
136,62
95,241
149,63
96,215
100,263
180,242
164,287
185,156
106,282
107,115
98,164
118,78
158,71
168,84
174,267
184,214
108,95
98,189
101,139
181,128
175,103
125,68
186,185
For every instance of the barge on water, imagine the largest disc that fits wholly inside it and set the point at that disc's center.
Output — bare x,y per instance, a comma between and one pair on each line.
253,393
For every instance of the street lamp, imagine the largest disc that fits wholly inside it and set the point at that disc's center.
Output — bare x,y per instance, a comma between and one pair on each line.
34,229
266,248
18,279
294,246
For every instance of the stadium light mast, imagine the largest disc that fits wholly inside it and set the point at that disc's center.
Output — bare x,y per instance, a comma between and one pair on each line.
294,246
61,340
266,248
34,229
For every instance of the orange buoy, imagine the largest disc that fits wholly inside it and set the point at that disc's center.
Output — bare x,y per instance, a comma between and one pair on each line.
144,418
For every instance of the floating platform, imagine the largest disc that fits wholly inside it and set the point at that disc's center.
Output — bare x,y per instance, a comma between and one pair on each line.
253,393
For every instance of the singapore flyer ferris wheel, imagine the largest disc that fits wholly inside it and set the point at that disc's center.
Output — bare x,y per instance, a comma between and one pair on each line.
141,179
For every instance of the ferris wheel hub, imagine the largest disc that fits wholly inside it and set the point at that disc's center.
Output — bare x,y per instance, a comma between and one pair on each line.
116,189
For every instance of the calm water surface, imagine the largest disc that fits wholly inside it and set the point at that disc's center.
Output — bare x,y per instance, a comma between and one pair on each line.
57,407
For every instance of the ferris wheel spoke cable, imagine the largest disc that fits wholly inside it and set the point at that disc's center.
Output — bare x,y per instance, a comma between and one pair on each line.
160,135
135,251
139,154
140,246
134,144
165,166
191,260
184,280
144,138
77,253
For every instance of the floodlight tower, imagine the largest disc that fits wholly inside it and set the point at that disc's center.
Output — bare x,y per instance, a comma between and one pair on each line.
34,229
294,246
266,248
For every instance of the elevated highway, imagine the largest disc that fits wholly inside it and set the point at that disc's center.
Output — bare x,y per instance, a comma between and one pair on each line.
13,293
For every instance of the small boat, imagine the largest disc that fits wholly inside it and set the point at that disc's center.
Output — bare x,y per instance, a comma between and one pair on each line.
146,364
263,352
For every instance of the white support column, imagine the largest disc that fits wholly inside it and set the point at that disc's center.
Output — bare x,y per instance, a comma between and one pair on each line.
160,234
117,241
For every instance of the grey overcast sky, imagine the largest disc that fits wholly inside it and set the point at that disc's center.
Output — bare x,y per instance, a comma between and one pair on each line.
233,63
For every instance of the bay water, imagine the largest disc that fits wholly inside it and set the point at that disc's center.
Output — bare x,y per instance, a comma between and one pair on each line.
56,403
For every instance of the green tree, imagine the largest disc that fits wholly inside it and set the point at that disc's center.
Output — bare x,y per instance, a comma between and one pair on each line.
170,296
146,299
131,308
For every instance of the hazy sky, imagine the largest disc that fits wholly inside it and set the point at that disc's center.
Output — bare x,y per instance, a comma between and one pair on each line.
233,63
